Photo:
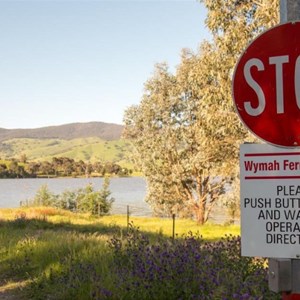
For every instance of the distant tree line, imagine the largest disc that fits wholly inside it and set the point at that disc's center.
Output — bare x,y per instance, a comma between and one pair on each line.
59,167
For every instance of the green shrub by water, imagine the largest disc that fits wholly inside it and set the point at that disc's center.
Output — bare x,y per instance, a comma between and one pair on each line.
85,199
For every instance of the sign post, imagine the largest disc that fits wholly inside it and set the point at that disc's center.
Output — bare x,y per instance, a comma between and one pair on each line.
266,92
270,201
289,11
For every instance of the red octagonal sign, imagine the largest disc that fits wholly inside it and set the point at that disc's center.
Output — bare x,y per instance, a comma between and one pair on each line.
266,86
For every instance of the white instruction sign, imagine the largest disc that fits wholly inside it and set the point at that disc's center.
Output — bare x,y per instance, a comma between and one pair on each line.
270,201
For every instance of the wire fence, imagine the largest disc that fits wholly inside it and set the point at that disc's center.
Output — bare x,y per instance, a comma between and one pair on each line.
218,215
134,210
219,218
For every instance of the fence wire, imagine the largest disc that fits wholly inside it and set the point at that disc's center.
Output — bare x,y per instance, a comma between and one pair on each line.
134,210
218,215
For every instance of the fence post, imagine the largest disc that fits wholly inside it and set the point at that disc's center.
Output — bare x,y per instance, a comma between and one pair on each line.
173,234
127,218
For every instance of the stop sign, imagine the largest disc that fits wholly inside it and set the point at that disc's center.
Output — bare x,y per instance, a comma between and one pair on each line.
266,86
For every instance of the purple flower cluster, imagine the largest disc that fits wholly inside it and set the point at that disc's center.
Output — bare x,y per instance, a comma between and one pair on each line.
82,275
187,268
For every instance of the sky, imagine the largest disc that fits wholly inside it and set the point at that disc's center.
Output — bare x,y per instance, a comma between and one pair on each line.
66,61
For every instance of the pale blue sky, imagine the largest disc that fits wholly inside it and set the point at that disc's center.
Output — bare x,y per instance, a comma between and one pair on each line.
80,61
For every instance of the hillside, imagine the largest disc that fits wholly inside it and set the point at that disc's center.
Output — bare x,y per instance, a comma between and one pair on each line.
86,149
89,142
104,131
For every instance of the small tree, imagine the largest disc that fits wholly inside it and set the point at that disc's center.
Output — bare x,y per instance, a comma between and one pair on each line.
104,201
95,202
67,200
44,197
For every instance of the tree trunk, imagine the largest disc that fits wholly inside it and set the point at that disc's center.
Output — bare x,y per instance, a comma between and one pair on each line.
199,211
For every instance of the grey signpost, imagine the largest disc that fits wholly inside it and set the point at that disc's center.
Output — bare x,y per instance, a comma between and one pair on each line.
289,10
284,274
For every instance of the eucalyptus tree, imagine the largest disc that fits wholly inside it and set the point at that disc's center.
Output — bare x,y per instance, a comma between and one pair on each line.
185,131
153,129
172,148
233,25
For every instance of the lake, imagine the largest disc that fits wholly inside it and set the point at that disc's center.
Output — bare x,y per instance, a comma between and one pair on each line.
126,191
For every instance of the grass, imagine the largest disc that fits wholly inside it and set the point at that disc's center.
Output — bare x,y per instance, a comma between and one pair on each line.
160,226
35,243
182,226
46,253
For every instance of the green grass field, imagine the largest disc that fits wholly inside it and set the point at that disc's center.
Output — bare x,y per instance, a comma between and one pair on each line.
41,247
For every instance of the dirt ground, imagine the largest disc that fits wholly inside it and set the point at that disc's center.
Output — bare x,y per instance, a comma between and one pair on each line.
11,290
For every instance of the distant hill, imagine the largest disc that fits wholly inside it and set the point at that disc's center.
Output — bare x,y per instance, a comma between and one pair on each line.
87,149
104,131
94,141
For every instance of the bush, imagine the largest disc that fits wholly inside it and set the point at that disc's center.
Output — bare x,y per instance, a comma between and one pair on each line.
44,197
187,269
95,202
67,200
84,199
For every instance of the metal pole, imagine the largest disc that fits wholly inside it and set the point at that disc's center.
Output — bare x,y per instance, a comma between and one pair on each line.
289,10
127,218
284,274
173,235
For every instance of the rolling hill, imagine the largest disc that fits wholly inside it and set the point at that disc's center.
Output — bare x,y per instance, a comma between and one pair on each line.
105,131
95,141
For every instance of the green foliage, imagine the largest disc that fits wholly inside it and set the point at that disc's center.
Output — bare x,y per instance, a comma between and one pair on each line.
13,169
86,199
95,202
44,197
67,200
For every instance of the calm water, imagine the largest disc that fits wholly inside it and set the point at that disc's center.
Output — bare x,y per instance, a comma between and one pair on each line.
126,191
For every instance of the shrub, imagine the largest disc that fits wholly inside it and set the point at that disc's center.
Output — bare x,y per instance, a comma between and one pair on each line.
67,200
95,202
187,268
44,197
85,199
